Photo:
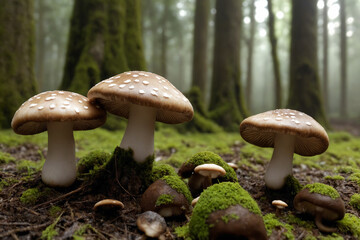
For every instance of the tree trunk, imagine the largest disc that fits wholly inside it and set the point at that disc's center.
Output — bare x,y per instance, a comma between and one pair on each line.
199,71
97,48
164,39
226,103
17,37
250,45
274,56
40,45
304,92
343,61
325,57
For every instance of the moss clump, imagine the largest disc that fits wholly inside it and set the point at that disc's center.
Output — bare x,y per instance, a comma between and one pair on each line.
6,158
164,200
355,201
91,163
183,232
30,196
50,232
229,217
218,197
322,189
355,177
350,224
162,170
291,187
272,223
176,183
334,177
210,157
54,211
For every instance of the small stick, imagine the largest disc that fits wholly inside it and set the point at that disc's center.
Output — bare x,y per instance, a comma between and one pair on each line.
23,229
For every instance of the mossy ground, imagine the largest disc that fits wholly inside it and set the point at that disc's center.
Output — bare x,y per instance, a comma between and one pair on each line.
21,158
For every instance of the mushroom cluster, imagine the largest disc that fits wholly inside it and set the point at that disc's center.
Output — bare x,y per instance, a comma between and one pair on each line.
288,132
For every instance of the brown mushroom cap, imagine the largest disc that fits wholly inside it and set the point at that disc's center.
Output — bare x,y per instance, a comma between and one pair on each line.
279,204
240,223
261,129
146,89
108,204
210,170
56,106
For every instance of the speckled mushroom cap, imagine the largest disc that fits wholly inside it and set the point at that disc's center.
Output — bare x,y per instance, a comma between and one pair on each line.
56,106
261,129
142,88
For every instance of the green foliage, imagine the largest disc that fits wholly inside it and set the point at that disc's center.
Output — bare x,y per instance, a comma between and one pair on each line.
6,158
271,223
54,210
350,224
183,232
322,189
160,170
334,177
218,197
30,196
355,201
92,163
164,199
50,232
175,182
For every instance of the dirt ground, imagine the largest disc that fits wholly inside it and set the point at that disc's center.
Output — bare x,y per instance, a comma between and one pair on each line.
18,221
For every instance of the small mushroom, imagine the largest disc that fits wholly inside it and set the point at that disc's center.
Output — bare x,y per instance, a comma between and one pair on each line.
152,224
166,200
194,201
107,205
325,208
233,165
143,98
279,204
288,132
59,113
203,176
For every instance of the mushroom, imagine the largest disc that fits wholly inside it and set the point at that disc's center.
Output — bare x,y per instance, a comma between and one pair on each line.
288,132
323,206
164,197
143,98
152,224
279,204
107,205
59,113
203,176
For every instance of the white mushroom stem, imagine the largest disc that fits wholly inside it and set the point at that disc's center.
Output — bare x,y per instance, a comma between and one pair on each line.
139,133
59,169
281,162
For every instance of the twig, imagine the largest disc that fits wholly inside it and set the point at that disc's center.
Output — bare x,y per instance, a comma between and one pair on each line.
14,223
60,197
23,229
14,236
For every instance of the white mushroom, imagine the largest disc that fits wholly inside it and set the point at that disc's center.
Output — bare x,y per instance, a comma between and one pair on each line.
143,98
59,113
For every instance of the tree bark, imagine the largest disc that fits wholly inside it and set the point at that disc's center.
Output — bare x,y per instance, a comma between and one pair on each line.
17,37
274,56
343,62
164,40
325,57
199,71
304,92
226,103
250,45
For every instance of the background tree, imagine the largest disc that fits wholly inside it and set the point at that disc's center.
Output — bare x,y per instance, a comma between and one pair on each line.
343,59
304,91
226,101
201,23
274,56
17,78
97,47
325,56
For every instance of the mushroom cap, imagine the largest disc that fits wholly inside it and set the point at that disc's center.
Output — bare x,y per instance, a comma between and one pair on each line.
151,223
261,129
315,203
117,93
108,204
279,204
210,170
56,106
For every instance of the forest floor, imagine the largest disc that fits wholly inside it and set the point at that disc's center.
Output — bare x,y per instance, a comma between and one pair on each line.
68,213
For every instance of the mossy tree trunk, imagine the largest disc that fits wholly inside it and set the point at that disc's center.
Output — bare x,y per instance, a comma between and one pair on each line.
17,55
304,92
226,102
201,22
274,56
102,42
343,60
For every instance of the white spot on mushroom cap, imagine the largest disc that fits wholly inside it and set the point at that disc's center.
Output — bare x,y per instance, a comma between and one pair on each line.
131,87
141,91
49,98
137,80
33,105
122,85
52,106
127,81
40,107
308,123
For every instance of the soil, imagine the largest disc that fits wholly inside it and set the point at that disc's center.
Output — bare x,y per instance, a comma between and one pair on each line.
18,221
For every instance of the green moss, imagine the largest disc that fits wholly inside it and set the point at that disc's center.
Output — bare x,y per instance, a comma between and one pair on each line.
30,196
218,197
355,177
164,200
210,157
355,201
350,224
6,158
229,217
334,177
292,219
178,184
332,236
322,189
54,210
92,163
161,170
50,232
272,223
183,232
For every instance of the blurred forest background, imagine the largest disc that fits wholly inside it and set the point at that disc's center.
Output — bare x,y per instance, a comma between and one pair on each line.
255,55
